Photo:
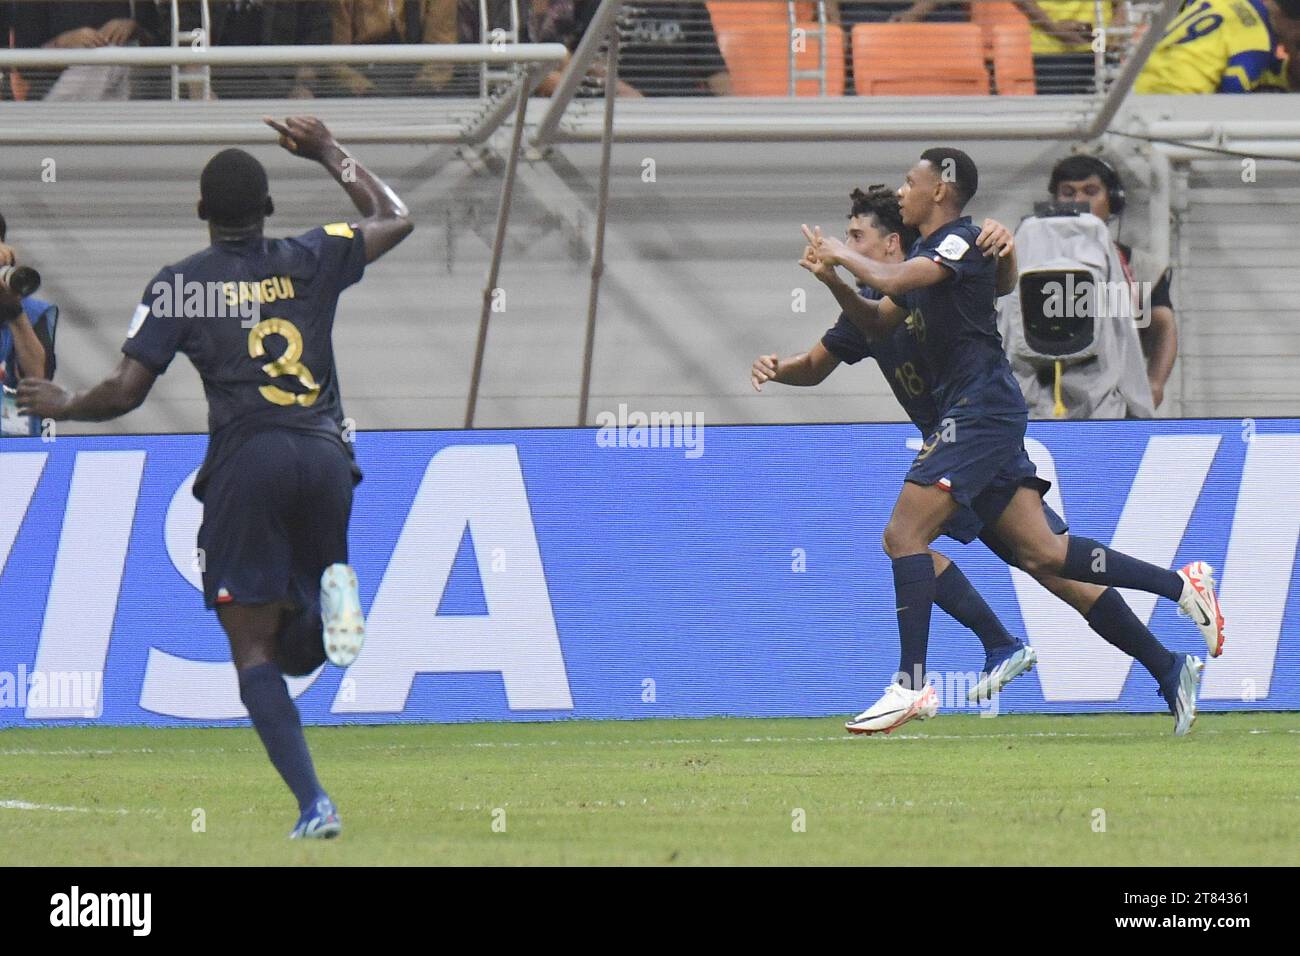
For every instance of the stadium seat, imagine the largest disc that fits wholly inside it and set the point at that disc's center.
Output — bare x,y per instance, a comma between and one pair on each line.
899,59
758,59
1013,62
743,14
994,16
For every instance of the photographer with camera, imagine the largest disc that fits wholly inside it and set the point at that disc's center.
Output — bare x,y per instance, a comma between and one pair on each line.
1092,180
1091,332
26,337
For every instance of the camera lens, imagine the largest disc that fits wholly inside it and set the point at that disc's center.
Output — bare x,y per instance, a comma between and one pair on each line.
20,280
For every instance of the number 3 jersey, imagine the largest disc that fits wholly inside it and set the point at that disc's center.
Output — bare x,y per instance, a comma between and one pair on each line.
255,317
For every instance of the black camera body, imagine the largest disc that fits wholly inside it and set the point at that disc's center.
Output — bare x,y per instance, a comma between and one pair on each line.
1050,207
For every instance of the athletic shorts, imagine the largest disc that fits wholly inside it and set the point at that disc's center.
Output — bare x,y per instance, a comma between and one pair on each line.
971,454
978,520
275,516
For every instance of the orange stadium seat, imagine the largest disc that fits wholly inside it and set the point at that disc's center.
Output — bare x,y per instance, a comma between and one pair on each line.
897,59
727,14
1013,62
758,59
994,16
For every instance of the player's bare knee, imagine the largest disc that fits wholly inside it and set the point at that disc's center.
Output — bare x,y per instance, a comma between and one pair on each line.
899,542
1037,563
891,541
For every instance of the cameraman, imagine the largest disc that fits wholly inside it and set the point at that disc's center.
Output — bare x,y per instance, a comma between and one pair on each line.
1092,180
26,346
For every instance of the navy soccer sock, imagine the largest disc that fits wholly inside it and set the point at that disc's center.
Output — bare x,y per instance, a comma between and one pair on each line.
266,696
914,586
1114,620
957,597
299,647
1087,560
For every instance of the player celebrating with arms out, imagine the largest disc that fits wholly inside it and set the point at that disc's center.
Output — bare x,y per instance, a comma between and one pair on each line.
277,480
944,292
876,230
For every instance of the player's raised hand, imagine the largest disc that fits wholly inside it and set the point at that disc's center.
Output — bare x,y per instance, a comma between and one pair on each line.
304,136
764,370
820,268
995,239
42,399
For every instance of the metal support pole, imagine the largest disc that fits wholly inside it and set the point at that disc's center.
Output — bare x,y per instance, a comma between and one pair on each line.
1128,76
602,207
1161,209
498,243
605,19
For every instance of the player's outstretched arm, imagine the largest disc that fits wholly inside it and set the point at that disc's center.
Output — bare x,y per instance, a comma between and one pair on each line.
848,298
807,368
387,220
116,395
887,278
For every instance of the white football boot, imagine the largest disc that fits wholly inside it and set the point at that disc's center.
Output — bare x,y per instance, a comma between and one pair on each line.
895,708
340,611
1201,604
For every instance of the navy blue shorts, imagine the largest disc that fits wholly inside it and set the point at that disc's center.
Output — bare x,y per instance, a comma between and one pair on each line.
977,520
275,516
972,453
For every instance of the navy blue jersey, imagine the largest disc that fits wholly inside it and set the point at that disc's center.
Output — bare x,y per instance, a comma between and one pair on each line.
955,325
263,368
900,361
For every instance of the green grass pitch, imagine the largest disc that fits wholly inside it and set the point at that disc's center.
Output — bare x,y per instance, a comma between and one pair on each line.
957,790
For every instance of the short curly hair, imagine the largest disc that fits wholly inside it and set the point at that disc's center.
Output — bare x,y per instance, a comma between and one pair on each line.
881,202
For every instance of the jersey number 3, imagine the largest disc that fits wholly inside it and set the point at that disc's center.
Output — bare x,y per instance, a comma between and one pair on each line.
286,364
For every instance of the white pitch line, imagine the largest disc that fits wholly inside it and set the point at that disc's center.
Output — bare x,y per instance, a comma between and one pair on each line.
54,808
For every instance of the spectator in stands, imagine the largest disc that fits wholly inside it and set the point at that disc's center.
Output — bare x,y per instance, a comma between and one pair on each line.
1225,46
269,23
1094,181
896,11
393,21
665,49
73,26
26,346
1061,36
498,12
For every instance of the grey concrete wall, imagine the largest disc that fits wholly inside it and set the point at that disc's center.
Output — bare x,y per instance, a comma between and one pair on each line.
700,276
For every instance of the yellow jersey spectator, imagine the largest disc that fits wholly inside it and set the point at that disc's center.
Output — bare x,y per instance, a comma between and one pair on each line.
1060,37
1063,26
1223,46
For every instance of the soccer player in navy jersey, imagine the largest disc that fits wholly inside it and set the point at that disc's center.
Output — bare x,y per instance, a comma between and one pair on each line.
277,480
943,293
876,230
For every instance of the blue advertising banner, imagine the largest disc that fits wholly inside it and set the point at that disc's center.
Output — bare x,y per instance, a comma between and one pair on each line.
648,568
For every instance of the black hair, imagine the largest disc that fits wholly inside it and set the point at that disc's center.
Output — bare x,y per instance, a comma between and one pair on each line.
881,202
4,228
1290,8
234,189
1081,166
956,167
